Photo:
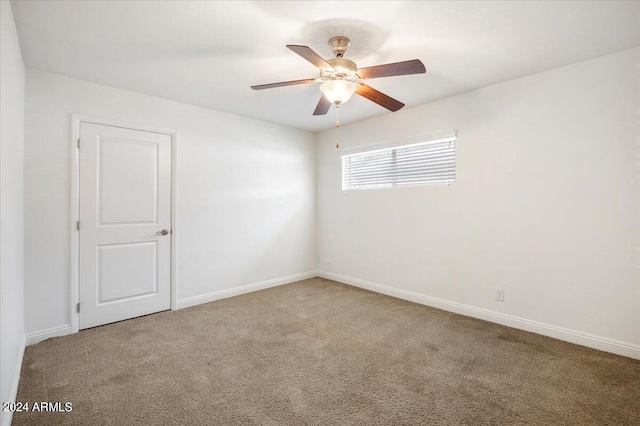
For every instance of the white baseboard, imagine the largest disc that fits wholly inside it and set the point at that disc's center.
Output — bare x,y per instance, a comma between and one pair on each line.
592,341
63,330
248,288
39,336
8,415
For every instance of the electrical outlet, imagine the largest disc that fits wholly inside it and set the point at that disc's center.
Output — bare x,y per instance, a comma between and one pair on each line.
499,295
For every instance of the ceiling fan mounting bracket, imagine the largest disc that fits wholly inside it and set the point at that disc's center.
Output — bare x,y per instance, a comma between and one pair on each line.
339,45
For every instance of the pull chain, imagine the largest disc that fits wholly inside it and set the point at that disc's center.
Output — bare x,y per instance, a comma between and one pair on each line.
337,125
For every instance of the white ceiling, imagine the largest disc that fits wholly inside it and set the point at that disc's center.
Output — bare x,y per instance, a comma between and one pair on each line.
209,53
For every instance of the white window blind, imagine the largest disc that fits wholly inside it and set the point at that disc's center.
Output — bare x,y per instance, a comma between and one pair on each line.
407,165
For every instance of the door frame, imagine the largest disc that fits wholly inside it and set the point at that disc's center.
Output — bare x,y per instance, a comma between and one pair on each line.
74,207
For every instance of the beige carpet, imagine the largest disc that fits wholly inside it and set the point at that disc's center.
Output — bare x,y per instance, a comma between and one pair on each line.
322,353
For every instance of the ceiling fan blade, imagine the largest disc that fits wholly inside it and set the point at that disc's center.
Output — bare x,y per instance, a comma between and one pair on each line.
283,83
414,66
323,106
378,97
310,56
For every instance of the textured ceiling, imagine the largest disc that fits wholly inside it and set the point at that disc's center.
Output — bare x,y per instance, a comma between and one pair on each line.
209,53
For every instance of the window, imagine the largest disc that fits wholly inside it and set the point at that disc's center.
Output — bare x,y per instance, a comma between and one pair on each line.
415,164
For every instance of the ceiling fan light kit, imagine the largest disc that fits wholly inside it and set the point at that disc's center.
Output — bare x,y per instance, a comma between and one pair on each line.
341,77
338,91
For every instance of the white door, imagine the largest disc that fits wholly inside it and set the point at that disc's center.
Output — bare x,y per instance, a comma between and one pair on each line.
125,223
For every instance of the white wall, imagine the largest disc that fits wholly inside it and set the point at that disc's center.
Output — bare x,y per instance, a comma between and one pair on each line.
246,203
546,205
12,77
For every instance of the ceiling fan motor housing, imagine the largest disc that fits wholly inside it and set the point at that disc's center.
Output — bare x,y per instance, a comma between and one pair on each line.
343,69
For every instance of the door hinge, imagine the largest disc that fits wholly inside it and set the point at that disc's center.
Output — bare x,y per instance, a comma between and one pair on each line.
77,308
78,143
77,225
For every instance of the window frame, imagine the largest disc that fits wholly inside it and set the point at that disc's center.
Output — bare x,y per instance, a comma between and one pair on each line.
393,165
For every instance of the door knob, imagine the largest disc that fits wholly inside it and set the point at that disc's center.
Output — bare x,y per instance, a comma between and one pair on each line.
163,232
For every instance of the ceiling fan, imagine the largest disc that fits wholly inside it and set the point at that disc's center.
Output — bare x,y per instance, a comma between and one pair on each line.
341,77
